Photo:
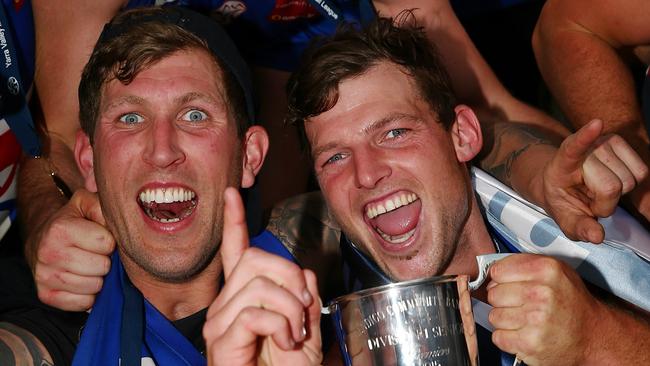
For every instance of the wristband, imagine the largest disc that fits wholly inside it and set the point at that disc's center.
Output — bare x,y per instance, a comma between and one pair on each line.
60,185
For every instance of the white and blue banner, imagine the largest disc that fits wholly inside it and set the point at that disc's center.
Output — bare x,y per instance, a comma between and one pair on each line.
620,265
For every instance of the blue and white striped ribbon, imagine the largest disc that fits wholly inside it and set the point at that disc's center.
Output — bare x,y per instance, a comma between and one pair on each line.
620,265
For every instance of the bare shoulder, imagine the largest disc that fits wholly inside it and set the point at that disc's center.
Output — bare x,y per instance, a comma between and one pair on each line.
306,227
619,23
20,347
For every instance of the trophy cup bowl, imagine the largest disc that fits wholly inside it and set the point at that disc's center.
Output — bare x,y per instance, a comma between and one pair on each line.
426,322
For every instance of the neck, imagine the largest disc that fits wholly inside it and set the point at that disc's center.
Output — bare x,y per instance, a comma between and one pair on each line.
473,241
176,300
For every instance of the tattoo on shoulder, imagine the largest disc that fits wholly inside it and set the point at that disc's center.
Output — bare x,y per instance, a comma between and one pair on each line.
505,143
302,222
20,347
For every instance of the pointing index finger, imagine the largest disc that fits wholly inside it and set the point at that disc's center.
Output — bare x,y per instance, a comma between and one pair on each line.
235,232
576,147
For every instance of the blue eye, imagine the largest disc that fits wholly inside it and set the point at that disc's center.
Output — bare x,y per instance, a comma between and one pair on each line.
335,158
195,115
131,118
396,133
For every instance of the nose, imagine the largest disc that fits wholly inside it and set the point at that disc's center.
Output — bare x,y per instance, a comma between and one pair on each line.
370,168
162,148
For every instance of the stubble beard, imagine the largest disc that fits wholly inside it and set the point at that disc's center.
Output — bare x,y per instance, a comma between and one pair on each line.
166,269
162,266
446,240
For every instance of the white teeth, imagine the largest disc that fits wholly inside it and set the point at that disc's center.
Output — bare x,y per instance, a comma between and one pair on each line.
397,239
160,196
398,202
169,196
170,220
390,204
166,195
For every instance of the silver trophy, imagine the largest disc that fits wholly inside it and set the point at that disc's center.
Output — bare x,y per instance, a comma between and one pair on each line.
426,322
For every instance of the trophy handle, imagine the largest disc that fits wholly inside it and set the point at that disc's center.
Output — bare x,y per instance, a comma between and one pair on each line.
484,264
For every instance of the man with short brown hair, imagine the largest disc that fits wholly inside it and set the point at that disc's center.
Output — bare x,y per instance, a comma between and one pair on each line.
391,157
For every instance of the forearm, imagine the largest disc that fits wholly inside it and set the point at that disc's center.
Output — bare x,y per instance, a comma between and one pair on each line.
473,80
60,58
588,77
38,195
62,54
516,154
21,347
620,337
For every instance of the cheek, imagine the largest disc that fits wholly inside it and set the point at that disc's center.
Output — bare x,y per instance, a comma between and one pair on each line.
332,187
336,176
327,184
212,142
116,155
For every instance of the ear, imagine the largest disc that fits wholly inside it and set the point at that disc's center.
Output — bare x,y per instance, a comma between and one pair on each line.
83,155
466,134
256,144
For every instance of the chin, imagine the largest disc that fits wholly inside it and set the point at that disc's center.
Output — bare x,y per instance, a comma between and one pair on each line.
406,275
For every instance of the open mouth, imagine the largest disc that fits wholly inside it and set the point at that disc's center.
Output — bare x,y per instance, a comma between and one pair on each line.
167,205
395,218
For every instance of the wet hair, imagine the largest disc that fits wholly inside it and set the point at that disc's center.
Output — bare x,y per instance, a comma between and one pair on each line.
136,39
350,52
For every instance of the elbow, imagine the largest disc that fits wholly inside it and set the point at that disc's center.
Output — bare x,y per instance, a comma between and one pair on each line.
544,28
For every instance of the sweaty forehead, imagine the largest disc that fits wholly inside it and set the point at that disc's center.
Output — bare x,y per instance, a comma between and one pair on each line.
385,92
184,72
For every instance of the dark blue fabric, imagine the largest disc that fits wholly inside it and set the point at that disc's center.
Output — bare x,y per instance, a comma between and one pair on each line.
123,325
17,46
271,244
359,271
104,332
277,44
132,323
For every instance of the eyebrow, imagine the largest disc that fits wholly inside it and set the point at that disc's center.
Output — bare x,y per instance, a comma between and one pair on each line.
183,99
374,126
128,99
382,122
191,96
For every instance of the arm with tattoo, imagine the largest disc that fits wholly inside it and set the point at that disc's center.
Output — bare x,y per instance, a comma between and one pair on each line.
576,183
20,347
516,154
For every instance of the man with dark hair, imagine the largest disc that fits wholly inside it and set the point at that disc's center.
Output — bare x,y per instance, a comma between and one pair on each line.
390,148
163,90
275,33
